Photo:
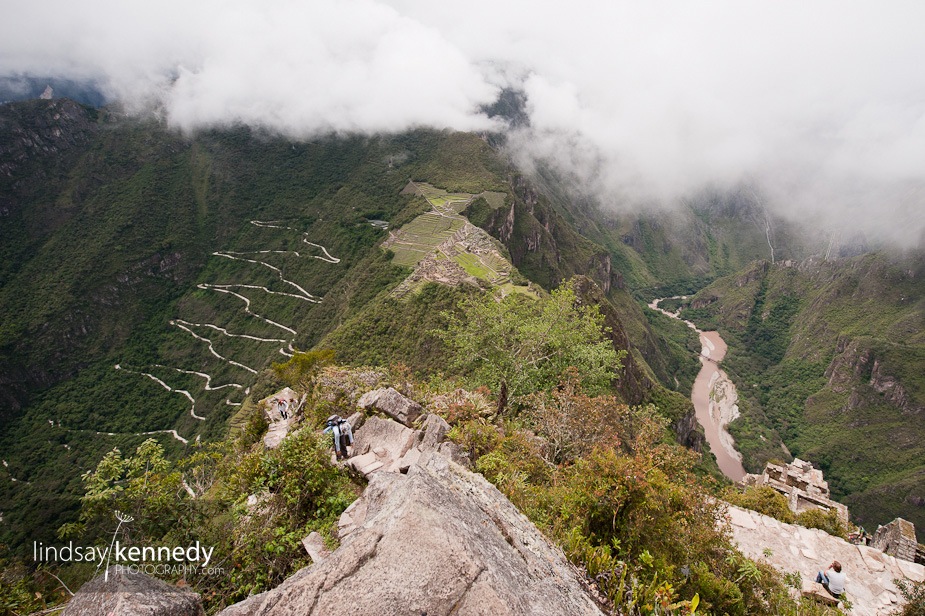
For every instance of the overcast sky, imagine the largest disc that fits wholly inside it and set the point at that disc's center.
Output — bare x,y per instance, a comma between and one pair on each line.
820,105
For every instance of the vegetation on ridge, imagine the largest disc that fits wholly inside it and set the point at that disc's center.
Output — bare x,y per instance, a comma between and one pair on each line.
602,478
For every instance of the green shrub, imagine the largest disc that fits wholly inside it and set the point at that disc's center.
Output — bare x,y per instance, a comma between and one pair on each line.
476,436
914,594
255,427
763,499
823,520
718,595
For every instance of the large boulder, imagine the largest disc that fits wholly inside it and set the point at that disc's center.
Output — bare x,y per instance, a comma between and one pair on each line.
434,431
378,433
387,400
437,541
132,594
386,445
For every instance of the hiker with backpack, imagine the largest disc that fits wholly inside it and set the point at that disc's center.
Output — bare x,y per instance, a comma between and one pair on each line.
342,433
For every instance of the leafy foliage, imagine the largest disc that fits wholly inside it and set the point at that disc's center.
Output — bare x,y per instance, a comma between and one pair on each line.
763,499
827,521
628,508
204,497
145,486
572,423
914,594
524,345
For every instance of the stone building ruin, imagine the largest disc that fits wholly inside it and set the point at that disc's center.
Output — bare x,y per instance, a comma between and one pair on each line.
805,489
801,484
898,539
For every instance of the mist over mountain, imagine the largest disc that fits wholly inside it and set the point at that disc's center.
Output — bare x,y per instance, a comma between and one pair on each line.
209,210
817,108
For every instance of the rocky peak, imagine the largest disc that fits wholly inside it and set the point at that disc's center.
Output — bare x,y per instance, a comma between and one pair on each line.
439,540
40,128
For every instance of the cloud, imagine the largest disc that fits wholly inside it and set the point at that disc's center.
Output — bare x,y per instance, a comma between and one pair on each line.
300,68
820,106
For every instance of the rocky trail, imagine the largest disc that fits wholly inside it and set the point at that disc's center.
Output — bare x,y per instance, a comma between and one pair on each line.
427,536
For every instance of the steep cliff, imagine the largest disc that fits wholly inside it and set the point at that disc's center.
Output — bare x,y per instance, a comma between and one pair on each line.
542,244
636,383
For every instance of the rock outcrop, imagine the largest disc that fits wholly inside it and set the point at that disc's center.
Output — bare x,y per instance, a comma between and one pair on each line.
383,444
387,400
132,594
795,549
439,540
279,425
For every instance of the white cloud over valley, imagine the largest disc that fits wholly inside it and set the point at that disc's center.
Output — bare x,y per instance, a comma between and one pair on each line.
820,105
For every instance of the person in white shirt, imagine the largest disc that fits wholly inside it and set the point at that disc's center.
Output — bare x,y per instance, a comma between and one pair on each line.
833,579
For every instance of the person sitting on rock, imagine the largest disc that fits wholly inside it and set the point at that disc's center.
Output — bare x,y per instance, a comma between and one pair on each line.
833,580
343,435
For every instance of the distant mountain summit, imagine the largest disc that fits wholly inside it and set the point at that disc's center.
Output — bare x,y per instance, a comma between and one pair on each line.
27,87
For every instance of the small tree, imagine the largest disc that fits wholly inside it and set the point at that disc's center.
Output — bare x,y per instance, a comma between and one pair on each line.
520,345
145,486
572,422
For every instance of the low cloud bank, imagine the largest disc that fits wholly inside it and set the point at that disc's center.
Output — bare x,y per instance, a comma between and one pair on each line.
820,106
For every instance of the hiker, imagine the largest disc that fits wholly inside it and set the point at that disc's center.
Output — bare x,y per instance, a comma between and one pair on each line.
343,435
281,407
833,580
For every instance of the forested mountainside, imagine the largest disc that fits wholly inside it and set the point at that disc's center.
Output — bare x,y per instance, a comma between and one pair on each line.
155,287
829,357
149,278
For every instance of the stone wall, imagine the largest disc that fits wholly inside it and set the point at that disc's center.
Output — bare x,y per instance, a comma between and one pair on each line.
897,539
802,484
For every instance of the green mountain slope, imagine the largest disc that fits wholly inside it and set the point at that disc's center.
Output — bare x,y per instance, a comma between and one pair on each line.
150,279
828,357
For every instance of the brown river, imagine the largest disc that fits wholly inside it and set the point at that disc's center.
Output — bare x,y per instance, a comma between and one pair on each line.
714,397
